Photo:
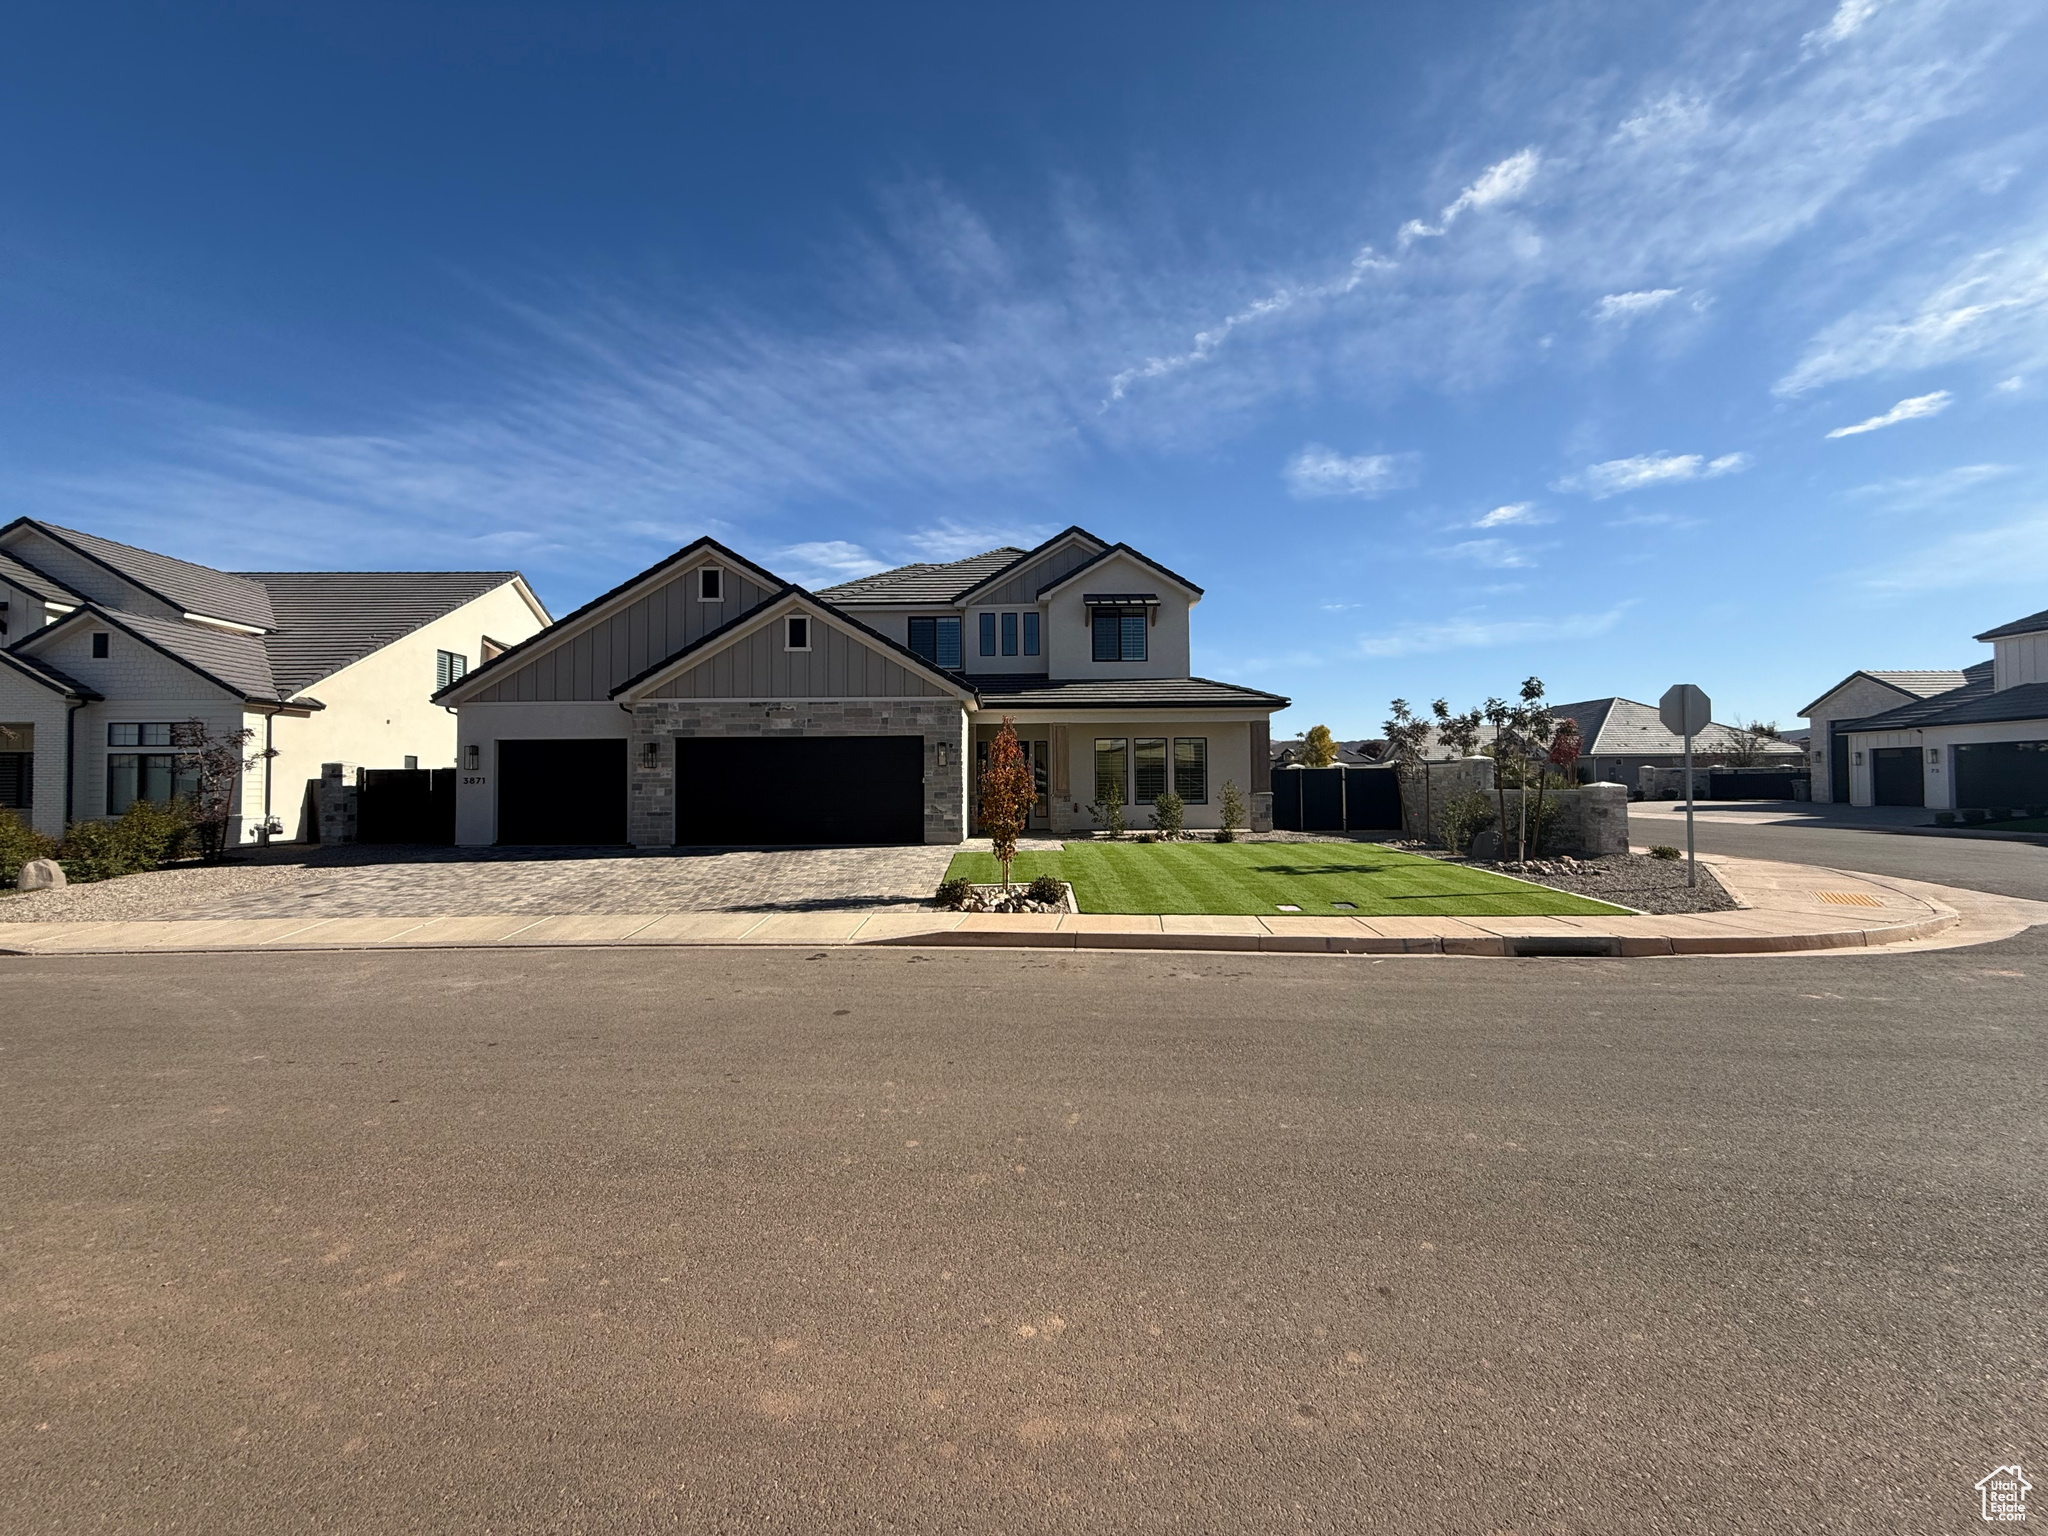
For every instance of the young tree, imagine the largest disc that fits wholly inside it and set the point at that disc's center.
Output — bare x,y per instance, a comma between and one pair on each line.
213,764
1748,744
1459,733
1407,746
1007,793
1233,811
1564,751
1318,747
1533,726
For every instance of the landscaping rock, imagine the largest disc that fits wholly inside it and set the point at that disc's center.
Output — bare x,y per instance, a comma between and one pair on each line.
40,875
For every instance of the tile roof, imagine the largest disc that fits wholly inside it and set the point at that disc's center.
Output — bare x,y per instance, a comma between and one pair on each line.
1977,702
193,588
20,573
2032,624
1618,727
239,663
328,619
48,675
1921,683
922,583
1117,549
1030,690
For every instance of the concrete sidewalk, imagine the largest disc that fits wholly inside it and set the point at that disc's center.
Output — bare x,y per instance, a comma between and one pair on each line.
1787,908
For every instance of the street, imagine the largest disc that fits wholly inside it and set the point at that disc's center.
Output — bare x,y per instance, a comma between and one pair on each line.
1977,864
716,1240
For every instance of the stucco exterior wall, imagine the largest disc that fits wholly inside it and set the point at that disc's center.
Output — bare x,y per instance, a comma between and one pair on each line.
1068,644
23,702
380,709
483,726
1070,739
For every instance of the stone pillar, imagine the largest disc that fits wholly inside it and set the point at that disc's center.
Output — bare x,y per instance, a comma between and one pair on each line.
336,798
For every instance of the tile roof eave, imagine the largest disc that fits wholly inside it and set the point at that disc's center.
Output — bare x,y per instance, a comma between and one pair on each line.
115,619
48,676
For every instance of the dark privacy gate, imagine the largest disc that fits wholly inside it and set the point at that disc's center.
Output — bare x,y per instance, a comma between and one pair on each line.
405,805
1346,799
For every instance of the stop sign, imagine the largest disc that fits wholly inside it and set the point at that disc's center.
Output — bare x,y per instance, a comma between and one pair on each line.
1684,709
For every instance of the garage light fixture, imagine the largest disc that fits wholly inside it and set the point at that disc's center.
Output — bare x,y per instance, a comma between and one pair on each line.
472,757
1934,754
650,753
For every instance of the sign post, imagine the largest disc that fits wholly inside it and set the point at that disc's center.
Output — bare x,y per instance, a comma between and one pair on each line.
1685,711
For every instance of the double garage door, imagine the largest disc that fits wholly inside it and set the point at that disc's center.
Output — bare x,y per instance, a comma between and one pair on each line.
736,791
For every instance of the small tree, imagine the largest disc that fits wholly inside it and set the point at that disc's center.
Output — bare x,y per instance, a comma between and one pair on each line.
1460,733
1749,745
1108,805
1168,812
214,764
1318,747
1233,811
1564,751
1407,745
1007,793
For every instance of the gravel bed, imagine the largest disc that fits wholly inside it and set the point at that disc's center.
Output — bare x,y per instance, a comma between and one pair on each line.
165,893
1629,880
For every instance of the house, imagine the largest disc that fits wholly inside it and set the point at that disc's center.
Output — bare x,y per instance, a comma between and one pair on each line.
1979,744
1351,754
707,701
1617,737
107,650
1856,696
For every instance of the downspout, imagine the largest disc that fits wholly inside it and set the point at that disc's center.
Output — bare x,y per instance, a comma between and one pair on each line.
269,760
71,709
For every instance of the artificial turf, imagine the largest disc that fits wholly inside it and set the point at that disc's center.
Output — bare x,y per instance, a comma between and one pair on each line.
1258,879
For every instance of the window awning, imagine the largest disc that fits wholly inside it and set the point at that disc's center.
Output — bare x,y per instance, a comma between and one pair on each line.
1120,600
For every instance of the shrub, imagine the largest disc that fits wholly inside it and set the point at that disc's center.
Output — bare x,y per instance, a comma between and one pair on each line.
1046,888
1462,816
1148,837
1972,817
1110,811
1227,835
144,837
952,894
1944,818
19,843
1665,851
1167,813
1233,810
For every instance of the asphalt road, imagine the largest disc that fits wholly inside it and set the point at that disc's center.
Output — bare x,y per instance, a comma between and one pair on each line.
1977,864
726,1241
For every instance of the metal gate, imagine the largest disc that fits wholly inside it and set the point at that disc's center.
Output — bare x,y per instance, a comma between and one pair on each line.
405,805
1345,799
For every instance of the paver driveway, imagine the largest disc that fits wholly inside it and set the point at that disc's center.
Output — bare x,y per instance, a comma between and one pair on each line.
399,882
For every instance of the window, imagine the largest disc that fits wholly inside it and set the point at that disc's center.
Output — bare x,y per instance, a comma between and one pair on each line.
1009,634
17,766
1041,775
99,646
449,667
156,776
988,634
411,763
711,585
1030,634
936,640
1191,769
1151,775
139,735
797,636
1120,634
1109,769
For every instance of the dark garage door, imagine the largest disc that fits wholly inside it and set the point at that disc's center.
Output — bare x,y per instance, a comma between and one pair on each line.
1895,776
562,792
2002,775
810,789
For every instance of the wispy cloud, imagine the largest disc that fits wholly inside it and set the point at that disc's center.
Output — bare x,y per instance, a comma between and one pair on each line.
1910,492
2014,554
1497,554
1629,306
1317,472
1847,21
1514,512
1502,182
1476,633
950,539
1616,476
1905,410
825,563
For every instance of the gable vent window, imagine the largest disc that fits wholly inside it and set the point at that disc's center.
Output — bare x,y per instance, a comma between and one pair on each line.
100,643
936,640
449,667
711,585
798,634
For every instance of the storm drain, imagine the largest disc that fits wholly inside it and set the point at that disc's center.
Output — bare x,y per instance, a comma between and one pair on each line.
1560,946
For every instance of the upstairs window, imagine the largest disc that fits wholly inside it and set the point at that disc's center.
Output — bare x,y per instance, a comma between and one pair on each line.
797,633
1030,634
100,643
449,667
711,585
1009,634
1120,634
937,641
988,634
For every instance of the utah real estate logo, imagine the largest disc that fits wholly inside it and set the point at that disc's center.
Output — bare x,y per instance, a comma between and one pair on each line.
2004,1494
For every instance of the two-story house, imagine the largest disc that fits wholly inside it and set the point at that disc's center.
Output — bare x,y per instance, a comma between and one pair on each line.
107,651
709,702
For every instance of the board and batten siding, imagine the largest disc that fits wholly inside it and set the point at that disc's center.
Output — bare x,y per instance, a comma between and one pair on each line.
837,666
591,664
1023,586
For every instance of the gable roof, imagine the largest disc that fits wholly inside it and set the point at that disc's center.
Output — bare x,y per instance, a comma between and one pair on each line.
1119,549
922,583
713,640
1918,683
2032,624
1977,702
234,662
42,672
18,572
1976,681
569,623
1617,727
187,587
1072,531
329,619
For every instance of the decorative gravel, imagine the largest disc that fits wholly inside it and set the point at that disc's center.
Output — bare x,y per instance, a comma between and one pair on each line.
1629,880
186,891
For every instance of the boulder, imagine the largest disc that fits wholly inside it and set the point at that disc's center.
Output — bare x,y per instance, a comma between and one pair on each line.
40,875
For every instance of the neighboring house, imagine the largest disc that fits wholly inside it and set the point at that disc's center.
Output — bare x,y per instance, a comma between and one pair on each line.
106,651
1981,744
709,702
1855,697
1619,736
1349,753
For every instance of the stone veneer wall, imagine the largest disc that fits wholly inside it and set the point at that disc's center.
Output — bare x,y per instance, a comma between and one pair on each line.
651,805
1592,819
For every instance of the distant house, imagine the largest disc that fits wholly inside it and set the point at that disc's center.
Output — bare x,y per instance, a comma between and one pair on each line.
1350,753
106,651
1981,743
1855,697
1619,736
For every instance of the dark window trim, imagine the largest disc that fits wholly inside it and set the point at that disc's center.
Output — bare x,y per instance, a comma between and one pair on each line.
789,624
988,634
1203,798
712,576
1031,635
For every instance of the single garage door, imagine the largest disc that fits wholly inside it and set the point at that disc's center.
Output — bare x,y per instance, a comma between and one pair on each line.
562,792
2002,775
807,789
1895,776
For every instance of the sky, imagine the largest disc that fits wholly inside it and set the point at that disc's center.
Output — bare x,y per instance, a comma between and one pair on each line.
1620,345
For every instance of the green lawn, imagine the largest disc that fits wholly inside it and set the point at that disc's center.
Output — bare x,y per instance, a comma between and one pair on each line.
1257,879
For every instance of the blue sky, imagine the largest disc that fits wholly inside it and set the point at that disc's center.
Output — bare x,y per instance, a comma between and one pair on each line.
1614,343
